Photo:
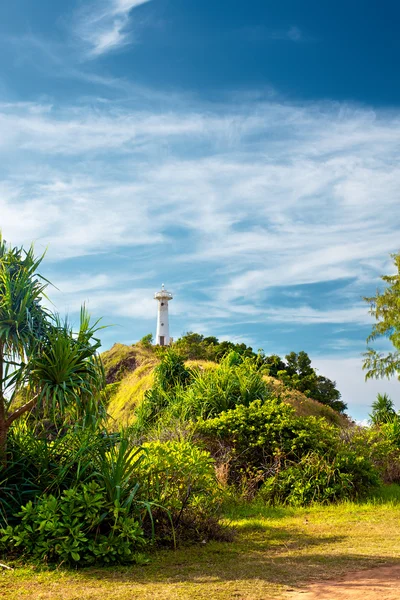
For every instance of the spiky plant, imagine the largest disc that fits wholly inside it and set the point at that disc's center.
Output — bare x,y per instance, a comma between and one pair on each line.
41,358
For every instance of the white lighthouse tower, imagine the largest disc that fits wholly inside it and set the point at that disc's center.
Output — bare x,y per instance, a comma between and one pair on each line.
162,336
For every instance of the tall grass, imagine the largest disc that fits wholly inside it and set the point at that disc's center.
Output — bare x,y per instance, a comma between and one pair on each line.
181,395
38,465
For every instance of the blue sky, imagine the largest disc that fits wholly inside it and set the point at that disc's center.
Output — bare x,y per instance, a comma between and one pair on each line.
243,153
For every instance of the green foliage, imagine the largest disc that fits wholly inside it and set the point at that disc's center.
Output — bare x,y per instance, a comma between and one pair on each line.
316,478
234,382
80,527
176,473
41,463
181,394
385,308
298,374
380,445
22,317
383,410
262,437
55,369
296,460
116,467
147,340
171,372
179,477
67,373
170,377
196,346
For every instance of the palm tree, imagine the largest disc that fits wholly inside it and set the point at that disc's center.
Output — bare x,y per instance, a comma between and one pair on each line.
56,370
383,410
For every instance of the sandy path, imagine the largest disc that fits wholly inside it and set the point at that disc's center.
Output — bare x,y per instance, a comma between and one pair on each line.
381,583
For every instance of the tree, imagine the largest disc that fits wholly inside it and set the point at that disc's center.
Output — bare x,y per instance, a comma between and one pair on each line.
385,308
299,364
191,346
300,375
274,364
42,360
147,340
325,392
383,410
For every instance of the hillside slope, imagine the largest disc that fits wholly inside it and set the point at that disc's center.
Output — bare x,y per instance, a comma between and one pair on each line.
130,372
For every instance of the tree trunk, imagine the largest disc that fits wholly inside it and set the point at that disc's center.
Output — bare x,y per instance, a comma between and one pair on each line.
3,443
3,424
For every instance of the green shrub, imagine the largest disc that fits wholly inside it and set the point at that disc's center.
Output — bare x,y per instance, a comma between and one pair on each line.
262,436
180,478
315,478
170,376
37,466
380,445
38,463
234,382
294,460
182,394
80,526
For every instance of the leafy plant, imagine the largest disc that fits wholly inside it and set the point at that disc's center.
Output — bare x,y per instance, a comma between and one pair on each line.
40,462
180,478
383,410
317,478
262,436
80,526
42,360
380,445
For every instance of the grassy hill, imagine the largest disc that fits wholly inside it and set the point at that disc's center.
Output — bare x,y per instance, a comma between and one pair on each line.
130,372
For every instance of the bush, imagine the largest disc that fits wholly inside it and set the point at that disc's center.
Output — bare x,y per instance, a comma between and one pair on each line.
180,478
294,460
315,478
234,382
38,463
261,437
380,445
80,526
183,394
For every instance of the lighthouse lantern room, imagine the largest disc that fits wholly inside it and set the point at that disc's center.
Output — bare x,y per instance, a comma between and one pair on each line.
163,297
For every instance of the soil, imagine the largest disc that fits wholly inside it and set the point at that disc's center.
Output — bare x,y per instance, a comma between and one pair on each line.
380,583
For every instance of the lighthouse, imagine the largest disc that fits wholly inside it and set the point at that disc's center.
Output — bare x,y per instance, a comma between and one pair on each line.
163,297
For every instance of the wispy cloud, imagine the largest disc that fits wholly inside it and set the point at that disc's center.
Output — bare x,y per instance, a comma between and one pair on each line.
104,25
293,34
247,201
261,33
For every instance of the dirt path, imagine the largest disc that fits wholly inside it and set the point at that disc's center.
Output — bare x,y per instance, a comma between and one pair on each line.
381,583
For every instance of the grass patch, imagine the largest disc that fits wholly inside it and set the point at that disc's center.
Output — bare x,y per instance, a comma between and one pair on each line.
274,549
130,393
304,406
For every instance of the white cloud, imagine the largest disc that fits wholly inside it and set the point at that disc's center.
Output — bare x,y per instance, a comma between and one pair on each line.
263,196
103,25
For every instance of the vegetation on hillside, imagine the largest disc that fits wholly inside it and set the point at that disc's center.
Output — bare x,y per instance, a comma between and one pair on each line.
295,370
108,456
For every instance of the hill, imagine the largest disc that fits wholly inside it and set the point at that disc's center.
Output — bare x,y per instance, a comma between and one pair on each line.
130,373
